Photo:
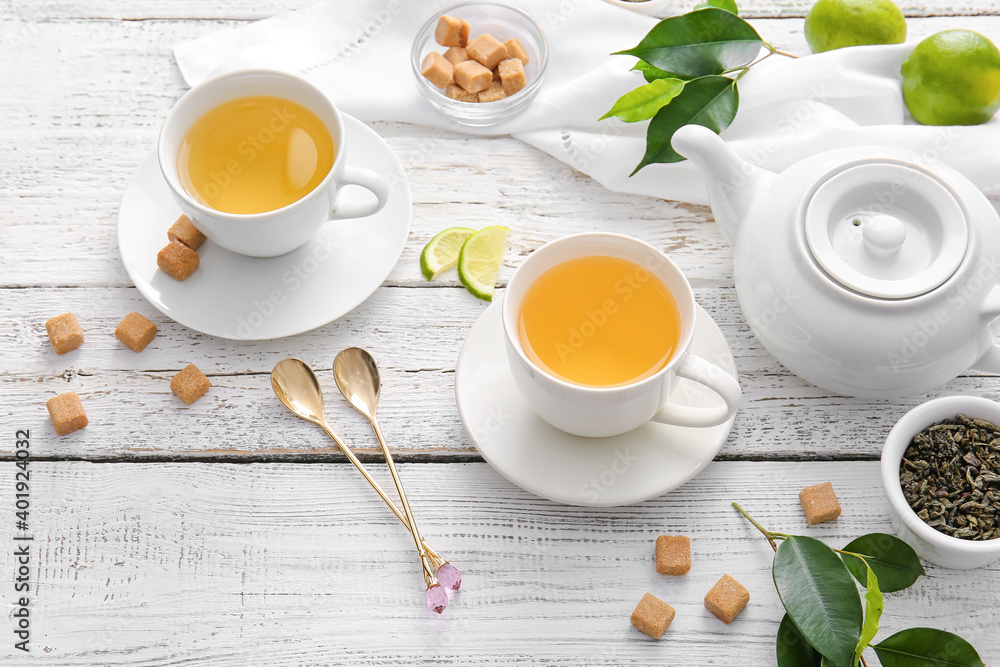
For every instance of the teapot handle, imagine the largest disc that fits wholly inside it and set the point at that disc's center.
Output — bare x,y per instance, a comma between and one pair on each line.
990,362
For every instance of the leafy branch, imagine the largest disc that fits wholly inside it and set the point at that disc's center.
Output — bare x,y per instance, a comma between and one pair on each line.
825,623
692,65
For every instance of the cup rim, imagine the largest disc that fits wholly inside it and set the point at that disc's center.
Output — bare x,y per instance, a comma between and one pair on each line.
899,438
682,347
186,99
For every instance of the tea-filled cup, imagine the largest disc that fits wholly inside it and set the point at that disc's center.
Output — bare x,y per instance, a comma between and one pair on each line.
257,160
598,329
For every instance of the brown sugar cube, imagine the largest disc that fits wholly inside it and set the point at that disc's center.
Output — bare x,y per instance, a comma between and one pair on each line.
66,412
437,69
652,616
673,554
135,331
472,76
456,92
64,332
190,384
456,54
488,50
512,75
177,260
820,503
727,599
451,31
493,93
183,230
516,50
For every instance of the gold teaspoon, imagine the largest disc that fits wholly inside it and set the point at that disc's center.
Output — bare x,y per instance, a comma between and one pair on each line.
297,387
359,381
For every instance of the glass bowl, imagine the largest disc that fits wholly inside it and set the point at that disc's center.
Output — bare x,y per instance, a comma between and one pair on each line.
503,22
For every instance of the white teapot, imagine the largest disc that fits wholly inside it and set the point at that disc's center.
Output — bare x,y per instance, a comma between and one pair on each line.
869,271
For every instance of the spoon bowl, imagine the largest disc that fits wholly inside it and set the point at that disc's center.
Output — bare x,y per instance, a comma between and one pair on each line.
358,378
297,387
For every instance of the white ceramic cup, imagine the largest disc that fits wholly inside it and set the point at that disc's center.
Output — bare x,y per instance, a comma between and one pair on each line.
930,544
608,411
280,231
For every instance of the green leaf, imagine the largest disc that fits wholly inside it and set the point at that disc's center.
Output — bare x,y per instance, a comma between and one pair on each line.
927,647
643,102
894,561
793,649
728,5
708,41
820,596
651,73
873,612
710,101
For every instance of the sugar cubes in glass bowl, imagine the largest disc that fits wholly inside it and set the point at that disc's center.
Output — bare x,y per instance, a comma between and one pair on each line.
480,63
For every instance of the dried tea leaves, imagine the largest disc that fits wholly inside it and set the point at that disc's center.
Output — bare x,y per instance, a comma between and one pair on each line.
950,476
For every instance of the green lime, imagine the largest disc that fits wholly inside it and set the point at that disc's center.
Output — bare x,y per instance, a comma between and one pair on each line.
834,24
479,261
441,252
952,78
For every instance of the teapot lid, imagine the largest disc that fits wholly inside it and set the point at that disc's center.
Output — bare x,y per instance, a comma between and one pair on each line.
886,229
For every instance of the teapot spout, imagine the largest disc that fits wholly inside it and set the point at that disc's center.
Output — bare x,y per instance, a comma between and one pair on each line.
731,181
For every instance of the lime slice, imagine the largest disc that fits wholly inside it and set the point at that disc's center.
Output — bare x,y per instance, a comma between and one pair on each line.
479,261
441,252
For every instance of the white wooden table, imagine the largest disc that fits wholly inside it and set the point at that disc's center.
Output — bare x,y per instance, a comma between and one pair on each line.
229,532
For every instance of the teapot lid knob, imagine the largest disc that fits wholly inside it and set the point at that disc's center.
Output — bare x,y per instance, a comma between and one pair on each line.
884,235
886,229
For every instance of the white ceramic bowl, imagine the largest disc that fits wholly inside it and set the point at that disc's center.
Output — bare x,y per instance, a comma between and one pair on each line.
503,22
931,545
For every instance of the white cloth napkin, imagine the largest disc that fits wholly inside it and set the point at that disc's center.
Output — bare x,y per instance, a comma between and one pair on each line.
358,53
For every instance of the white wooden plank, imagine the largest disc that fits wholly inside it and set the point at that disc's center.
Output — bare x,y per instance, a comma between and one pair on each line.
171,564
80,119
799,8
234,9
416,334
66,234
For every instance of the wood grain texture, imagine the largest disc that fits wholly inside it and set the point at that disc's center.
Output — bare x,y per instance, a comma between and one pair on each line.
416,335
79,120
213,564
155,562
236,10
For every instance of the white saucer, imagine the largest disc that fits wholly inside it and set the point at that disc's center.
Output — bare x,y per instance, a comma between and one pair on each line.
600,472
250,298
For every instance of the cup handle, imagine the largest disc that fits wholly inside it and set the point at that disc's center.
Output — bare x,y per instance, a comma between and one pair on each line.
716,379
369,180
